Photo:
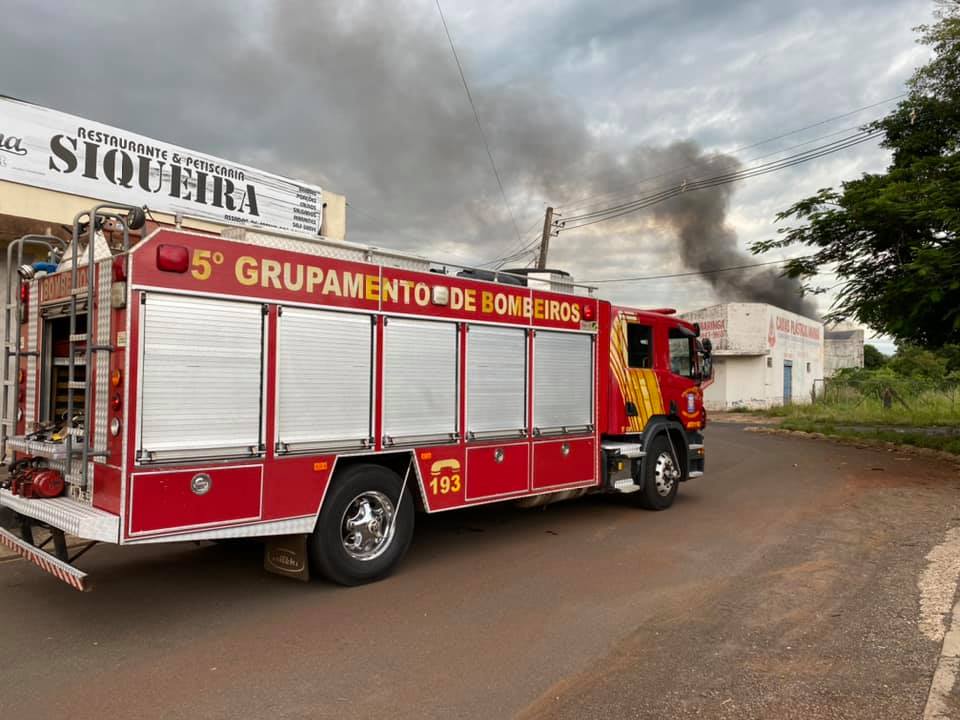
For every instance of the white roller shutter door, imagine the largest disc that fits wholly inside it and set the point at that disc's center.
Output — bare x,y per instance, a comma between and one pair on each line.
562,381
324,365
419,380
202,375
496,381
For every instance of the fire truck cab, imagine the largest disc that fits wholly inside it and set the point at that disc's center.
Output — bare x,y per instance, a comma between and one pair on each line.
166,385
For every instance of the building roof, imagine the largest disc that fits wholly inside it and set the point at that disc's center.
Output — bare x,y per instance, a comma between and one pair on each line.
841,334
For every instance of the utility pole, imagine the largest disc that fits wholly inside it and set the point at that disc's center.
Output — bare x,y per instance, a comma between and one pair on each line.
545,240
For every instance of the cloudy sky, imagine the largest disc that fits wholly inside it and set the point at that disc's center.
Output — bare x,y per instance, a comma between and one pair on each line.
580,100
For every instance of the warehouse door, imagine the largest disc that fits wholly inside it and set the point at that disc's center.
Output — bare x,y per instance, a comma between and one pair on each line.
787,381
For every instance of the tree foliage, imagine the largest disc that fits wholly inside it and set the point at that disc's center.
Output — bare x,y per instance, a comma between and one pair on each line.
919,363
894,238
873,358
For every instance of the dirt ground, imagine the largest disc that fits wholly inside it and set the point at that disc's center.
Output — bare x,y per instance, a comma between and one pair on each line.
797,579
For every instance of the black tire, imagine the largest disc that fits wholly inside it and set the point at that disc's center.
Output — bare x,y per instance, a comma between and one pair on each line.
660,461
329,552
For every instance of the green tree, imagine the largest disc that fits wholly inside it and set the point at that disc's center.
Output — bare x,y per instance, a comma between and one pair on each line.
873,358
951,353
918,363
895,237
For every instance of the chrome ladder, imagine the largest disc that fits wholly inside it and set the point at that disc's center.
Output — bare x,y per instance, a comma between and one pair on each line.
93,218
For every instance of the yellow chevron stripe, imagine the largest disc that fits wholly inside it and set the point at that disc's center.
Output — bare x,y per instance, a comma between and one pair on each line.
617,362
637,385
620,372
632,388
652,391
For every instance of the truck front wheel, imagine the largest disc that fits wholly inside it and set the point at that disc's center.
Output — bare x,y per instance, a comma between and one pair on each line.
365,526
661,475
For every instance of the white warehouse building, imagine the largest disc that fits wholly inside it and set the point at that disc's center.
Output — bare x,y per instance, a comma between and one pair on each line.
762,355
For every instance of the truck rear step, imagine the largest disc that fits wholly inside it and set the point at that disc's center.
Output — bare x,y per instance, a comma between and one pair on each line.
71,516
63,571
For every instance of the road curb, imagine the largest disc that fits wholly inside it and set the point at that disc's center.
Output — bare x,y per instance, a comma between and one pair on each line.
945,676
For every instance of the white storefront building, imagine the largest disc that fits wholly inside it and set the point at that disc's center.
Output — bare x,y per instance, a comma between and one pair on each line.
763,355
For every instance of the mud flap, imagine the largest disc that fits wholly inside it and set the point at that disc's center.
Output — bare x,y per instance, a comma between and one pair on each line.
287,555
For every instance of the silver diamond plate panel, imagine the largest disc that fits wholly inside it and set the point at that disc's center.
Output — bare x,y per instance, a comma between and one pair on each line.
327,248
74,477
37,448
279,527
102,359
33,322
68,515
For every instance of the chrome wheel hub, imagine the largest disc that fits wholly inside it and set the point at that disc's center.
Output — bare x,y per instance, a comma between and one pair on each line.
667,474
366,527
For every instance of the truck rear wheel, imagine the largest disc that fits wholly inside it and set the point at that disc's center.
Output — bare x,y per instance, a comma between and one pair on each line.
661,475
365,527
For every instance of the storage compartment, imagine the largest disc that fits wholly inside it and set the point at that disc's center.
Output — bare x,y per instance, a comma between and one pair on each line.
56,360
496,381
192,498
494,470
562,381
324,379
420,369
558,463
202,378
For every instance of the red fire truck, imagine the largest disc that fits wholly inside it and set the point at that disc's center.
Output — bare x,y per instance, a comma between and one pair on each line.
167,385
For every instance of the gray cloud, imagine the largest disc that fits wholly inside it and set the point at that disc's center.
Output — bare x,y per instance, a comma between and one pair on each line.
365,100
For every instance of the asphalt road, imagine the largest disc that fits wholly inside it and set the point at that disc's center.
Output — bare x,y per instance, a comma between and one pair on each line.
791,581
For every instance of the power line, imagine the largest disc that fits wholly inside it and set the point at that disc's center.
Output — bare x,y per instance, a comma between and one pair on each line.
531,246
746,172
476,116
583,200
751,160
515,248
694,272
765,168
626,208
785,162
503,259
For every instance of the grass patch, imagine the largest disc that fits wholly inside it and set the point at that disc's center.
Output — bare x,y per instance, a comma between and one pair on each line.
924,409
947,443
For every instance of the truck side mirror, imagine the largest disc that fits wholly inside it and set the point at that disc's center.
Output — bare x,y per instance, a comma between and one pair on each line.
706,359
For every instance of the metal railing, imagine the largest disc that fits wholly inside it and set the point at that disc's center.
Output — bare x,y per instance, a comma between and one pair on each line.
12,347
93,218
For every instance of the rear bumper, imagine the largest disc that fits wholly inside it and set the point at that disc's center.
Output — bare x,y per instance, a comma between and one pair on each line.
74,518
65,572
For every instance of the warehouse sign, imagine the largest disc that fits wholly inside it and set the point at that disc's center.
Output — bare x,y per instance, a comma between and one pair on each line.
794,328
56,151
713,329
